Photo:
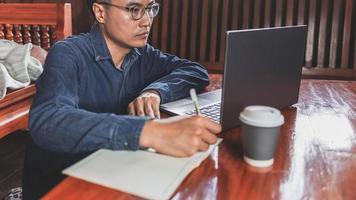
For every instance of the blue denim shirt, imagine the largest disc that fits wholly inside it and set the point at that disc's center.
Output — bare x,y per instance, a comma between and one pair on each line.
82,98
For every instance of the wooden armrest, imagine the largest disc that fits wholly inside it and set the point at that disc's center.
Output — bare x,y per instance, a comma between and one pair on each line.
14,117
15,96
14,109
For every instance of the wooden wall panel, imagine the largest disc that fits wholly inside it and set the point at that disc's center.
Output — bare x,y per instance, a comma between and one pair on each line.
301,12
174,23
257,13
203,30
279,13
224,25
335,24
184,32
194,7
323,31
290,12
235,14
345,52
155,34
311,33
331,30
213,31
246,14
165,20
268,13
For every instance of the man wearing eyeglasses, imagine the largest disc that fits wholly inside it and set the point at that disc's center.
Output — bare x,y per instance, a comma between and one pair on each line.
103,90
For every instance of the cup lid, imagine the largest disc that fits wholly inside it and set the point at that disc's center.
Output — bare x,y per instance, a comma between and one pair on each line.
261,116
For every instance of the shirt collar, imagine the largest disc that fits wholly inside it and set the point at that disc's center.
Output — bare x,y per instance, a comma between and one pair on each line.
101,51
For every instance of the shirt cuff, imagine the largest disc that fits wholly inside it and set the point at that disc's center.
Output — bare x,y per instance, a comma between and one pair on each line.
162,89
128,132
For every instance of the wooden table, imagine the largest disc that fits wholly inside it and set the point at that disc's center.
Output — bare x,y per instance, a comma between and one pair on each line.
315,158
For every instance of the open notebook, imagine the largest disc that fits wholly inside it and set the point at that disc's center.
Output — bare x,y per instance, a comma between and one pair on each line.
142,173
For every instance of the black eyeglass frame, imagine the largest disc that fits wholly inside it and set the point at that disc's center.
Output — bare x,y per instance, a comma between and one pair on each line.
146,9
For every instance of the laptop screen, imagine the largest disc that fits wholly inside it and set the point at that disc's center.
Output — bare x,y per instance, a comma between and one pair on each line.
262,67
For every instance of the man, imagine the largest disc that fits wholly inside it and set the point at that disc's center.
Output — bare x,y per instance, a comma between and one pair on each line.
91,83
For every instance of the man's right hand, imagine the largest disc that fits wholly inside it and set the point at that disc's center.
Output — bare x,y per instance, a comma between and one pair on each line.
180,136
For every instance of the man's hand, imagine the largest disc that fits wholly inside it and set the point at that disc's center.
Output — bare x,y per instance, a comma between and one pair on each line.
180,136
147,104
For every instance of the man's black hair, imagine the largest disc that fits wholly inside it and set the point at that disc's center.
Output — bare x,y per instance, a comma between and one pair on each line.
90,4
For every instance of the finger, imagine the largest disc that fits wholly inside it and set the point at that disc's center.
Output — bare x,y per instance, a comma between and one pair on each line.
155,108
208,137
148,109
207,123
211,125
139,107
176,152
203,146
131,109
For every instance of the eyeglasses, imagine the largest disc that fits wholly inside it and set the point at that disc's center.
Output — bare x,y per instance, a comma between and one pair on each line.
138,11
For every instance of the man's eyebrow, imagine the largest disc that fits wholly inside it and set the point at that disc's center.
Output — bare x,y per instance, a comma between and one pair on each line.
152,2
135,3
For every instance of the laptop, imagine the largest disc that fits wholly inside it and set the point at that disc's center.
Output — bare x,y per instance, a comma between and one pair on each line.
262,67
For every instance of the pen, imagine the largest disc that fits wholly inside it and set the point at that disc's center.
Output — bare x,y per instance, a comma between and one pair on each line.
194,97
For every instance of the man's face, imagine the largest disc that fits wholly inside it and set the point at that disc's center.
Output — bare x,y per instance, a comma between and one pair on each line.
121,29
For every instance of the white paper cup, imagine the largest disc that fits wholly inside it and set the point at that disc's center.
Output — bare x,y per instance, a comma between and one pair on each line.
260,131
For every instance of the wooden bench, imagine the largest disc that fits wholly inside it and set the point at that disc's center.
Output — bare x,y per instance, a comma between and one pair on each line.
41,24
195,29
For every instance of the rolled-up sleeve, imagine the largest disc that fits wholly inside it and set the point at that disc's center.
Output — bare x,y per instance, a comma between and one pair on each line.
58,124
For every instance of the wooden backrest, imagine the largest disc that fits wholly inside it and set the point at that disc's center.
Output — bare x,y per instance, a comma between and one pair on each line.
195,29
40,23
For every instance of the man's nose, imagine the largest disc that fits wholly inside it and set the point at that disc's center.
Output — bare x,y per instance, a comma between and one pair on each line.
146,20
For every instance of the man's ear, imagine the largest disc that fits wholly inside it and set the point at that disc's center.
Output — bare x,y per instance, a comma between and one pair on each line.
99,13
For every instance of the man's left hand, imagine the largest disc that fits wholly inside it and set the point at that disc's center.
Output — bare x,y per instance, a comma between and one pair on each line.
147,104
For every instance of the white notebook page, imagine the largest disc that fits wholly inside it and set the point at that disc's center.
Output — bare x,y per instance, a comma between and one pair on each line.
142,173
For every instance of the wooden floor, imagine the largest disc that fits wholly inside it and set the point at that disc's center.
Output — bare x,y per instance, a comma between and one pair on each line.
12,148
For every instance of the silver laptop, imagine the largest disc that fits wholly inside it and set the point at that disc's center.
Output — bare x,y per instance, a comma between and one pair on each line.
262,67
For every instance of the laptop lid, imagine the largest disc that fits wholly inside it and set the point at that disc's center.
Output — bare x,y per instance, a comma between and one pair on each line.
262,67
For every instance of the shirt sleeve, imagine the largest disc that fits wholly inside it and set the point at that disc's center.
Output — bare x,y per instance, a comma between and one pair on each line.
177,75
58,124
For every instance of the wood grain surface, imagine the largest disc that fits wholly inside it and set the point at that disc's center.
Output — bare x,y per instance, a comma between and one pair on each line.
315,157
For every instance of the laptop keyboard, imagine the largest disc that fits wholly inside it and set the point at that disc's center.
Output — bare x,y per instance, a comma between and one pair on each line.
211,111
